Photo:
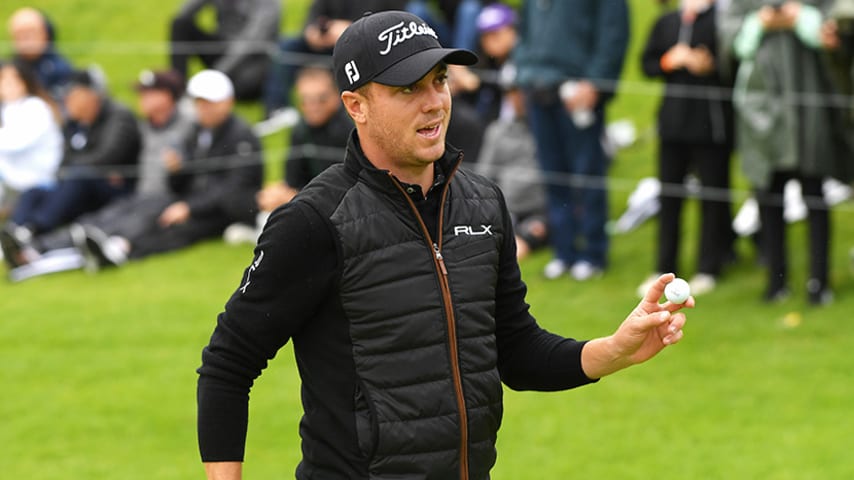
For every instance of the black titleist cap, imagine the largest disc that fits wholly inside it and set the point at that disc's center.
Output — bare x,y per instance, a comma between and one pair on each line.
392,48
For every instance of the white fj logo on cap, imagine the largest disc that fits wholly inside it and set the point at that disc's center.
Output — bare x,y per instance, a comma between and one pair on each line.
401,32
352,72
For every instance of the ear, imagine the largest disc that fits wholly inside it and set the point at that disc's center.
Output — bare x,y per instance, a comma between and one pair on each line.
356,105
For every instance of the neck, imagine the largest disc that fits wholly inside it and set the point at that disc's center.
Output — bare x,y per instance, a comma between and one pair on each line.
415,172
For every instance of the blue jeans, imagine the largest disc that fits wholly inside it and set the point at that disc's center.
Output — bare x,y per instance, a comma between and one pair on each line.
574,166
463,34
44,209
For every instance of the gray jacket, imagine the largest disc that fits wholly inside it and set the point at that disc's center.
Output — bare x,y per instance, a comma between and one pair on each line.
784,120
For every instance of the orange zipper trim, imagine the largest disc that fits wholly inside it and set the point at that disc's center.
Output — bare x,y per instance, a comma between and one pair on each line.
442,273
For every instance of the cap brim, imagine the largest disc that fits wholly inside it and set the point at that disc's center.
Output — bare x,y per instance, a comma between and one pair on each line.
412,68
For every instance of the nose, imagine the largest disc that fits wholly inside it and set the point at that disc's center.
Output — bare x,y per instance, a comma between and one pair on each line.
436,97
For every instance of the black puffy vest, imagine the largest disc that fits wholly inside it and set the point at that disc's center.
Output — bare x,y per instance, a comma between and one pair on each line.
422,318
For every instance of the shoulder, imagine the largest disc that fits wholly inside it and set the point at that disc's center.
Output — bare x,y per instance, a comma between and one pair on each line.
473,184
116,111
238,130
35,106
327,189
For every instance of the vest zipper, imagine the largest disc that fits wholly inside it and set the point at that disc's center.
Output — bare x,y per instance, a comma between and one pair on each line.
439,262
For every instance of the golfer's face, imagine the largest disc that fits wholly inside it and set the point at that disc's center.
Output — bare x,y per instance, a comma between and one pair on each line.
409,123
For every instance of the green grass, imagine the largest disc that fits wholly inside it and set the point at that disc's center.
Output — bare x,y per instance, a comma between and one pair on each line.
97,371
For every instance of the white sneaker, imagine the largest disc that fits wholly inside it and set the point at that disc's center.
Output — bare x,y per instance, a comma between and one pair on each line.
584,270
239,233
279,120
555,269
646,284
746,221
702,283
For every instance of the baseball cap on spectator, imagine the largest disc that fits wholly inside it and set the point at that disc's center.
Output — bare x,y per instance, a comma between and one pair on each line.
167,80
391,48
492,17
210,85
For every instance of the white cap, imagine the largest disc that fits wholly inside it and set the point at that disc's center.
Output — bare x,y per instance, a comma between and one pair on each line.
211,85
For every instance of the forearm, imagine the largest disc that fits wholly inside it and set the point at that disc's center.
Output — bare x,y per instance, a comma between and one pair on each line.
224,470
600,357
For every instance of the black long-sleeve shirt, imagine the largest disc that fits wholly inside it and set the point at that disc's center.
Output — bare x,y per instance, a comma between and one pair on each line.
289,292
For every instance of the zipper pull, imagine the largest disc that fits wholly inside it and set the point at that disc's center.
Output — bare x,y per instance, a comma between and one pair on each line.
440,259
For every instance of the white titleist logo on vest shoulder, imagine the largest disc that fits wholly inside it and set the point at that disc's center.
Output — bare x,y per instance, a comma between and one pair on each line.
469,230
401,32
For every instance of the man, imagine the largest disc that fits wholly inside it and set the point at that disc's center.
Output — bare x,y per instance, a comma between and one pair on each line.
164,128
238,45
212,181
102,145
395,276
568,59
317,141
32,42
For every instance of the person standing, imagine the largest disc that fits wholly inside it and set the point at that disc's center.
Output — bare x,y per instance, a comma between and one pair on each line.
238,46
695,129
568,59
395,276
783,133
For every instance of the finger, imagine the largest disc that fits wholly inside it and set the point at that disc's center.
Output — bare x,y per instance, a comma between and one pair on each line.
655,320
677,322
675,307
672,331
657,289
673,338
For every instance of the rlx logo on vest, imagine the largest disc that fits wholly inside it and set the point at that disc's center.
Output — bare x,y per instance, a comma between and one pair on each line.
469,230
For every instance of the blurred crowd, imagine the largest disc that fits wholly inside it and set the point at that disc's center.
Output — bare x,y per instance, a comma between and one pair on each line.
87,182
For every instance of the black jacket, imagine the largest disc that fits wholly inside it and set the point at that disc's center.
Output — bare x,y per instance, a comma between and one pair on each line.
314,149
221,174
401,363
113,141
694,109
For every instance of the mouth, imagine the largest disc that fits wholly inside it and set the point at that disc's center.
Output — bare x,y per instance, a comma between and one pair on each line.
430,131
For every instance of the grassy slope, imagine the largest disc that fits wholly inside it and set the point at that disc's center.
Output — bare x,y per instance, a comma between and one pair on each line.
98,374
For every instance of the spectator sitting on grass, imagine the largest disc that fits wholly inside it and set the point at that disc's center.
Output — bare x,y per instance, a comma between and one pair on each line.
212,185
164,128
316,142
509,157
102,144
30,135
33,38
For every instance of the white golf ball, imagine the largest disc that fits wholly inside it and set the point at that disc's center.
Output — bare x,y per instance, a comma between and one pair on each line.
677,291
